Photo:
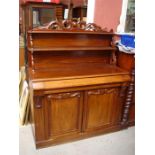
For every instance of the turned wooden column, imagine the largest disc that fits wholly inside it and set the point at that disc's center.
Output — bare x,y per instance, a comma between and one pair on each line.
128,101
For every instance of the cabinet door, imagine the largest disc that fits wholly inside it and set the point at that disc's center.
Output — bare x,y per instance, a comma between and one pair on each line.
64,113
102,108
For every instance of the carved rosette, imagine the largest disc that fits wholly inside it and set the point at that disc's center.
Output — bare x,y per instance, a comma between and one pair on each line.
72,25
128,101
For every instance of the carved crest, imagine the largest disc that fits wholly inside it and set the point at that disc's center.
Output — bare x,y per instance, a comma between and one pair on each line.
72,25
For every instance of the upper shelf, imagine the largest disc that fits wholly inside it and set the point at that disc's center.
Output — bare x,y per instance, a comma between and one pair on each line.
72,49
69,36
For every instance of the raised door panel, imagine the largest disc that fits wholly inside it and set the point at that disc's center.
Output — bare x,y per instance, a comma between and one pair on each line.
102,108
64,113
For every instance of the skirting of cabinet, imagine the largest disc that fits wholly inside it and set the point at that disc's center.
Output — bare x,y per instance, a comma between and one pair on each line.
75,137
132,123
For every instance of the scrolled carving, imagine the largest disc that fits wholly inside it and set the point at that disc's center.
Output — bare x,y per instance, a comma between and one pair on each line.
72,25
63,95
93,27
103,91
82,25
67,24
54,25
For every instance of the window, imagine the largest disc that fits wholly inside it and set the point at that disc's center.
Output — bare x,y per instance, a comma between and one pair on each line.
127,18
130,17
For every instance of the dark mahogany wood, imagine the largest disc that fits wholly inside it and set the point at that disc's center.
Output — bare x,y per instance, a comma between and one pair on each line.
128,101
65,108
127,62
76,88
102,108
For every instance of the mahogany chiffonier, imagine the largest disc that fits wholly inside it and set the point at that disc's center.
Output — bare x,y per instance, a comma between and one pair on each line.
76,88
